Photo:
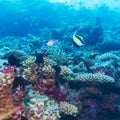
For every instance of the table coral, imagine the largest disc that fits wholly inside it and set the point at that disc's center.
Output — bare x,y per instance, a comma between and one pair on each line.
96,77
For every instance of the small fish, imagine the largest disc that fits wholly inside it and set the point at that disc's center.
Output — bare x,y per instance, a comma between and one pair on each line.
51,42
78,39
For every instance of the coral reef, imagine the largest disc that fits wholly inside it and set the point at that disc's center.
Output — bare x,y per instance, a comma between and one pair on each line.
94,78
48,72
65,71
7,77
109,56
68,108
41,107
20,55
8,110
52,91
61,82
31,71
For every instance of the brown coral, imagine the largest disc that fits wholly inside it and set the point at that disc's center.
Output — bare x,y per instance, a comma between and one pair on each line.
64,71
8,110
68,108
48,71
31,71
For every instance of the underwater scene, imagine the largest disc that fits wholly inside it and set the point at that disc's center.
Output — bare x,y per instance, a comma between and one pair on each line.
59,59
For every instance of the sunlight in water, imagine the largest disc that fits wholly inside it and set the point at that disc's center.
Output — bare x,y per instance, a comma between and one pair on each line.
89,3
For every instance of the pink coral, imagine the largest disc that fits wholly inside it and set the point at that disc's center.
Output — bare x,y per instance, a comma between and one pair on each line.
8,69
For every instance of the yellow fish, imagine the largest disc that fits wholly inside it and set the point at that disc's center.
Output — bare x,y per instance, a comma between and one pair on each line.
78,39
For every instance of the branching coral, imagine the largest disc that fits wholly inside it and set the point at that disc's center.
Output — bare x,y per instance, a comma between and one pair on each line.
31,71
94,78
49,62
48,72
64,71
58,55
41,107
68,108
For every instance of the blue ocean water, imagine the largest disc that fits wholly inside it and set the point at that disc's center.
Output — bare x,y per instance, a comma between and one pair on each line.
21,17
59,60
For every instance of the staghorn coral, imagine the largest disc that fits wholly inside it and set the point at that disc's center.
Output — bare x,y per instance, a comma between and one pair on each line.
64,71
96,77
49,62
48,72
58,55
68,108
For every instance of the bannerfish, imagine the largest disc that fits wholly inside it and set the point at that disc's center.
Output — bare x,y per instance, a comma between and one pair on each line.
78,39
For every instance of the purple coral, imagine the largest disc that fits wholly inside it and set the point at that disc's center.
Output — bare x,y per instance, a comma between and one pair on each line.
52,91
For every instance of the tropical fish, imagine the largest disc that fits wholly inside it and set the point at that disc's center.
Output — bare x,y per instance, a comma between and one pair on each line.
78,39
51,42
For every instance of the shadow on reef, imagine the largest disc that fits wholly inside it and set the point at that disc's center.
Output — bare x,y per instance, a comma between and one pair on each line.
67,117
